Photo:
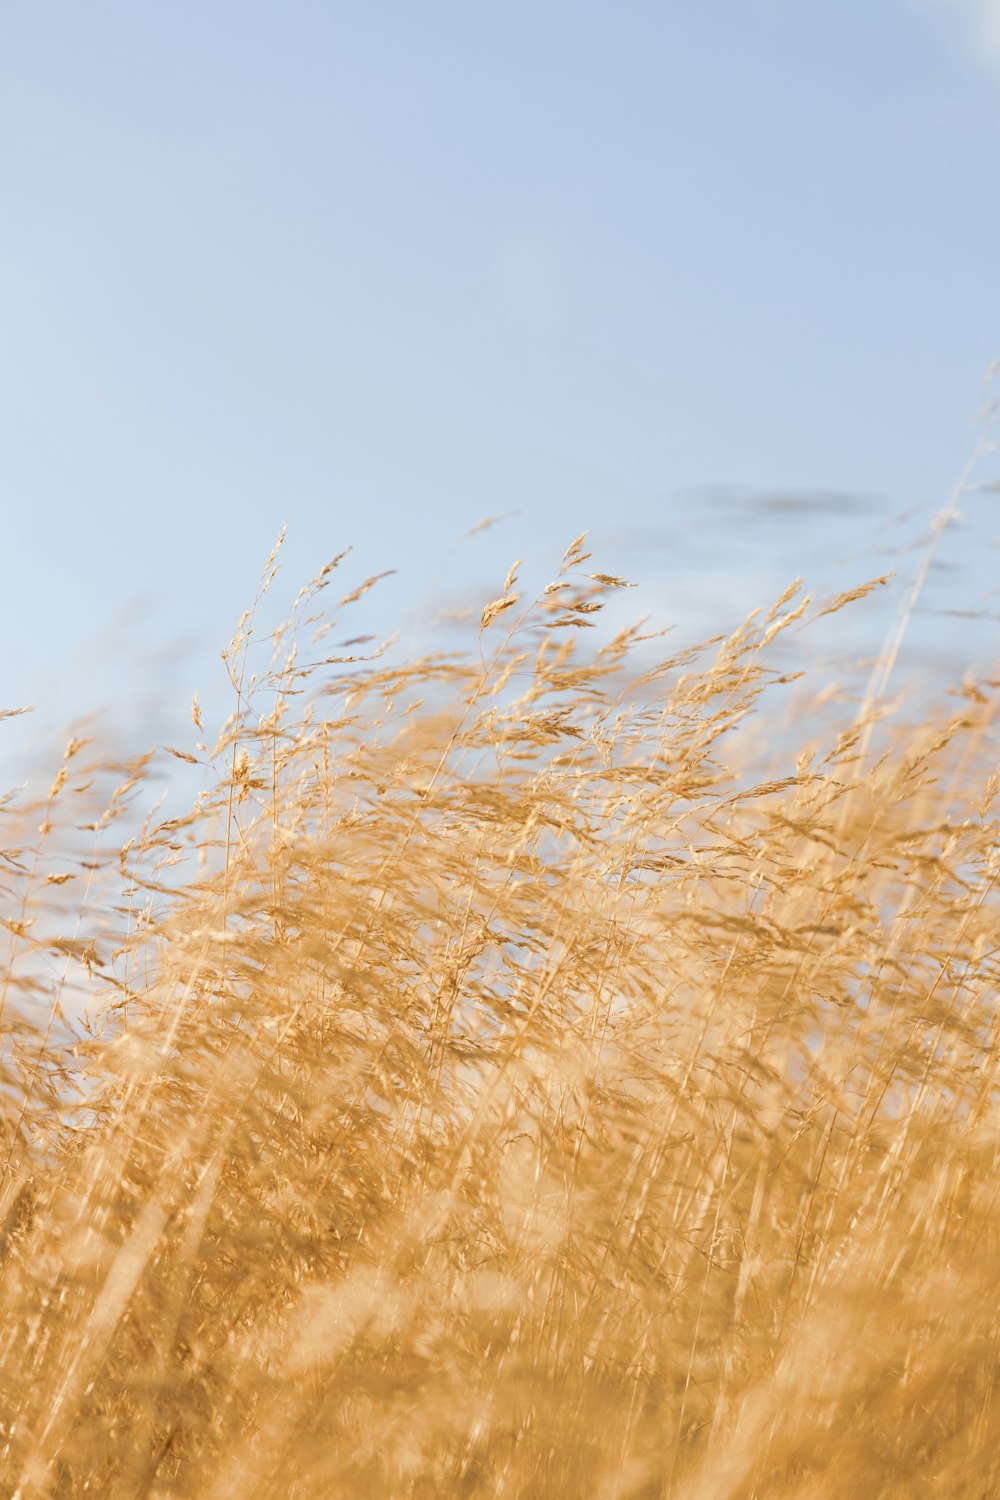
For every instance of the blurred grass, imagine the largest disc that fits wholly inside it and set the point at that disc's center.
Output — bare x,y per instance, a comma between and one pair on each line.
526,1071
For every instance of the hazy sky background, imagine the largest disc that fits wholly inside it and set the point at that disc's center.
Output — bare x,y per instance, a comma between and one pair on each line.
717,282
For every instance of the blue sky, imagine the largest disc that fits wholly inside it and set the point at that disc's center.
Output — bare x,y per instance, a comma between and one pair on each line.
717,282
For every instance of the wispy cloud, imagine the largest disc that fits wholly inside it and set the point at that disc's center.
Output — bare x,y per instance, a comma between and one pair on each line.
978,23
984,20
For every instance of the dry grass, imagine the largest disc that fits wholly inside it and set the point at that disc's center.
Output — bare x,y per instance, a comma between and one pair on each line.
508,1079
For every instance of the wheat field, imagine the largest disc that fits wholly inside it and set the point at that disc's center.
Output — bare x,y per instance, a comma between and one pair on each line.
551,1069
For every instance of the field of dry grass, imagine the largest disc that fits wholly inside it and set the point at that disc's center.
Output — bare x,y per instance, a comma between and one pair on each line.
531,1073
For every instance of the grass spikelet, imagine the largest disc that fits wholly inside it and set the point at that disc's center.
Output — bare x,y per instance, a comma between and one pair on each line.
851,596
497,607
